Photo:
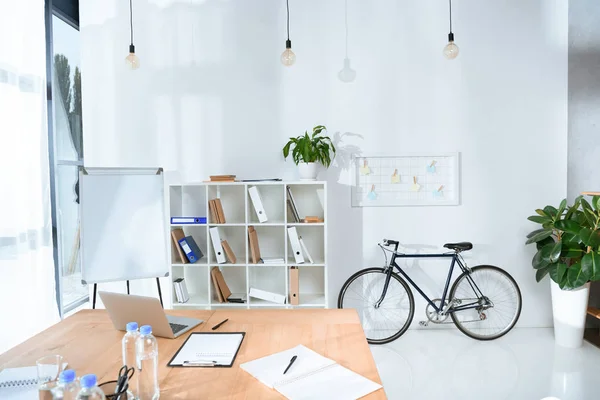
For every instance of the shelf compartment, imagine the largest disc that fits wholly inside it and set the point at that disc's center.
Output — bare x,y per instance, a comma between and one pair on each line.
271,241
314,239
311,300
311,286
196,283
235,278
198,232
232,200
272,199
309,199
269,278
236,238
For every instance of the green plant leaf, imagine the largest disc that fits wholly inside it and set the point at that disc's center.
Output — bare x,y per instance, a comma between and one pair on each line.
542,272
544,242
568,225
590,237
562,207
551,211
586,206
530,234
575,277
572,250
590,265
555,252
286,149
541,212
539,236
540,260
596,203
558,272
539,219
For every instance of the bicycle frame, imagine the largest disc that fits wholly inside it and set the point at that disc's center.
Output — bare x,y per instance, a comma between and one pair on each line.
455,260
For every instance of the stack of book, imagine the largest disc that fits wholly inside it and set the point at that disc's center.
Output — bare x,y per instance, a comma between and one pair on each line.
217,215
181,292
187,251
222,178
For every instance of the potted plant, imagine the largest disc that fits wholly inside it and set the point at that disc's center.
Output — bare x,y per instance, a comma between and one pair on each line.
568,245
307,150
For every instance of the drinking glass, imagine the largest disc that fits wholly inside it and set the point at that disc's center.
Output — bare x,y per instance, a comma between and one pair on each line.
48,370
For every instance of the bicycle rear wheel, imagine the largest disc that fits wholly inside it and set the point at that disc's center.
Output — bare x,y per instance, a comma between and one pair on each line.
497,317
392,318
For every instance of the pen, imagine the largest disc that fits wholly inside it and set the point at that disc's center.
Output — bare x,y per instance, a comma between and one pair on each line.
290,364
219,324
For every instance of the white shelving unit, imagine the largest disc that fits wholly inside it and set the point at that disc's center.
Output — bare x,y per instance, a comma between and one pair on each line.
192,200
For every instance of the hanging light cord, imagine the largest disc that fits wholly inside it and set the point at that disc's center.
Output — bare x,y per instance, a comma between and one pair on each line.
346,21
287,4
131,19
450,3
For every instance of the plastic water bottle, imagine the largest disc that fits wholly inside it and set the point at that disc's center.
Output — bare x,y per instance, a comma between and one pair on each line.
67,388
147,365
89,389
129,354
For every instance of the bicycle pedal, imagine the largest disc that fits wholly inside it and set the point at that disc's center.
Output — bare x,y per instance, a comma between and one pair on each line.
423,323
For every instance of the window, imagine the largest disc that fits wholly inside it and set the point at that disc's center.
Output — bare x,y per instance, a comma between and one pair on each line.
67,139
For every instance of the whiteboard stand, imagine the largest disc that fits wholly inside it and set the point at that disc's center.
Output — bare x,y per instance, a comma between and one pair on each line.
123,233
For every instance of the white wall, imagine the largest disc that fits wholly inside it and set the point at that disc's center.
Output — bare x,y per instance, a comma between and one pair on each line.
211,97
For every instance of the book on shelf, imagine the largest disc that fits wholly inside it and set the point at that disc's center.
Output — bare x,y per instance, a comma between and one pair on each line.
254,247
257,203
221,288
231,258
294,286
181,292
266,295
217,215
188,220
305,250
222,178
176,235
191,249
313,220
273,260
293,203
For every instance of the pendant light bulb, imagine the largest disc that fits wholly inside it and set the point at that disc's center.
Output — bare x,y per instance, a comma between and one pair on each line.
288,58
451,49
347,74
132,60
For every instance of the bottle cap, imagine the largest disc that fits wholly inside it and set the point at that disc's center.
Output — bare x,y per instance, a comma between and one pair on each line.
131,326
88,381
146,330
67,376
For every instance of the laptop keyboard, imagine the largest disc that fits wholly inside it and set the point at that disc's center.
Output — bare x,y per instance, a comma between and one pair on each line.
177,327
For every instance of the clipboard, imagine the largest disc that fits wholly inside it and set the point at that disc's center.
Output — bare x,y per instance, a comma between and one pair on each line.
208,352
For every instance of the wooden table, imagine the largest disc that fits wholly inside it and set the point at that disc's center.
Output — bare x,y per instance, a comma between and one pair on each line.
90,344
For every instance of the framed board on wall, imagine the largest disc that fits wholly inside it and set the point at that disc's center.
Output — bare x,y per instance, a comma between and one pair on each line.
421,179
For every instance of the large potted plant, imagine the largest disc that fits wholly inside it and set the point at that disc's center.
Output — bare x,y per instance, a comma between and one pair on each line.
568,245
308,150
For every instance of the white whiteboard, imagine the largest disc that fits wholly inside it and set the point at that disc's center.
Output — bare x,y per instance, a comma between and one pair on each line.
424,179
123,235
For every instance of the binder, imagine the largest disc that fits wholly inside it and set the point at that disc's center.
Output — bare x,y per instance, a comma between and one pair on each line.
191,249
293,203
265,295
305,250
213,277
176,235
214,217
188,220
254,248
228,252
292,212
295,242
216,241
181,291
294,284
258,204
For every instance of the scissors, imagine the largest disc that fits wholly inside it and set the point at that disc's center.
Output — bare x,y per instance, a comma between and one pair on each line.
125,375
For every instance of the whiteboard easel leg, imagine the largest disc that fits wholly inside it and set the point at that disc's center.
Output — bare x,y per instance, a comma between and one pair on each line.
94,299
159,293
127,286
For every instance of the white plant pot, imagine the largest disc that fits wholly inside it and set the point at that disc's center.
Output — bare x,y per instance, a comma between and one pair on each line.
569,308
308,171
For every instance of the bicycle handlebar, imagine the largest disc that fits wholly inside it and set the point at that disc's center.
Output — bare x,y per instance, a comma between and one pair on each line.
389,242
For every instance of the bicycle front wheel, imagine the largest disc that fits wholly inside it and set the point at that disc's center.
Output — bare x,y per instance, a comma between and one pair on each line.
498,301
392,317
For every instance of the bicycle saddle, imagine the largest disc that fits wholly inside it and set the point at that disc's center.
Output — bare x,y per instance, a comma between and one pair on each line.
461,246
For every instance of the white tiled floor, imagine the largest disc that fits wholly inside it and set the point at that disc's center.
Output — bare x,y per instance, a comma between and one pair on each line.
523,365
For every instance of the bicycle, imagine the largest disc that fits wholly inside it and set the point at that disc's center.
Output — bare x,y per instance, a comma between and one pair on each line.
484,302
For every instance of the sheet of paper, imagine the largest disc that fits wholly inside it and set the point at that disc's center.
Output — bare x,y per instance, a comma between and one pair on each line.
24,392
219,347
269,369
333,382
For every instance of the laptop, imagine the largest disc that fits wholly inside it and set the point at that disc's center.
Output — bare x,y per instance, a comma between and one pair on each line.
124,308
